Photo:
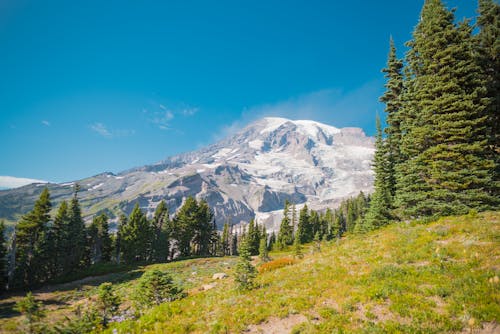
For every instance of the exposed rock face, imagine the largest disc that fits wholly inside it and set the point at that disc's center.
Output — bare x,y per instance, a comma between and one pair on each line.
248,175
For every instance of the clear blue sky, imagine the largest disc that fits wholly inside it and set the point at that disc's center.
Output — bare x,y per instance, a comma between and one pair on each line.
92,86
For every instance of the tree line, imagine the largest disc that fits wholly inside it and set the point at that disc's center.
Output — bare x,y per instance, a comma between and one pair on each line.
439,153
44,248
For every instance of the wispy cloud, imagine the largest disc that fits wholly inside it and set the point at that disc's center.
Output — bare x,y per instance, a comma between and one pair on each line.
189,111
332,106
104,131
162,116
46,123
9,182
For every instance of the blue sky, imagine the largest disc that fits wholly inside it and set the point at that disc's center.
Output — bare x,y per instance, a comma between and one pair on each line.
93,86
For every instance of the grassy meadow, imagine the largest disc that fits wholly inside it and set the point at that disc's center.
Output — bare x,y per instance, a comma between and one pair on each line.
416,277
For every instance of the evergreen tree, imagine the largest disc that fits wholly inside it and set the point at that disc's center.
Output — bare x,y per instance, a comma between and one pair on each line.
393,104
78,257
293,217
272,241
136,237
156,287
488,41
3,257
32,310
62,240
160,243
380,205
314,224
245,272
118,238
30,233
253,237
297,246
263,248
184,223
203,229
100,240
225,240
107,302
303,228
285,234
447,170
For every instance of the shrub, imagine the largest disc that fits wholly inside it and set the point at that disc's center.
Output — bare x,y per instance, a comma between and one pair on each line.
156,287
32,310
107,302
276,264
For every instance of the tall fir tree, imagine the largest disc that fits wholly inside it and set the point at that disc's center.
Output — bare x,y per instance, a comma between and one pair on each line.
203,228
99,239
160,242
285,234
304,229
225,240
447,170
30,233
393,104
184,225
245,272
136,237
380,205
488,45
62,240
79,256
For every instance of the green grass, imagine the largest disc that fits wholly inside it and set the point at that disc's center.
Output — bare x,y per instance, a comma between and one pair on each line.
404,278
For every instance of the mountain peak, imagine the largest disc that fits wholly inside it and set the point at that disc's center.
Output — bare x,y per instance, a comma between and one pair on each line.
247,175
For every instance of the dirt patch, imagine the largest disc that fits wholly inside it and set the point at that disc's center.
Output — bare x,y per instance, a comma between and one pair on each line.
440,304
379,313
486,328
276,325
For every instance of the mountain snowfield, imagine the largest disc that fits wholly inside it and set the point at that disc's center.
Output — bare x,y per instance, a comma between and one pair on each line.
247,175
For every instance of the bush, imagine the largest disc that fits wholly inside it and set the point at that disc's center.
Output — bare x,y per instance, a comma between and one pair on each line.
276,264
156,287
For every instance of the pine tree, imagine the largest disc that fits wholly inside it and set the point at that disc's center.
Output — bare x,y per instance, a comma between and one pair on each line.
107,302
253,237
203,229
380,205
30,233
297,246
136,237
225,240
62,240
445,135
32,310
156,287
488,46
263,250
272,241
160,242
122,221
393,105
245,272
184,225
100,240
304,230
3,257
78,257
285,234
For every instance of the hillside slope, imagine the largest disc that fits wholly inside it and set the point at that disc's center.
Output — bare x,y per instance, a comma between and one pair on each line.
404,278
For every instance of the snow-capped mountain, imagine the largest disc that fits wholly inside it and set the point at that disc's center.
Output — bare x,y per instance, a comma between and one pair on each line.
249,174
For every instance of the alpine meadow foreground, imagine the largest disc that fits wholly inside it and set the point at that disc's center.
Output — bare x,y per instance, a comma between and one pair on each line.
411,277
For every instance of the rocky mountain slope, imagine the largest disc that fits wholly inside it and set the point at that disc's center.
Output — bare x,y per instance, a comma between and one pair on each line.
249,174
